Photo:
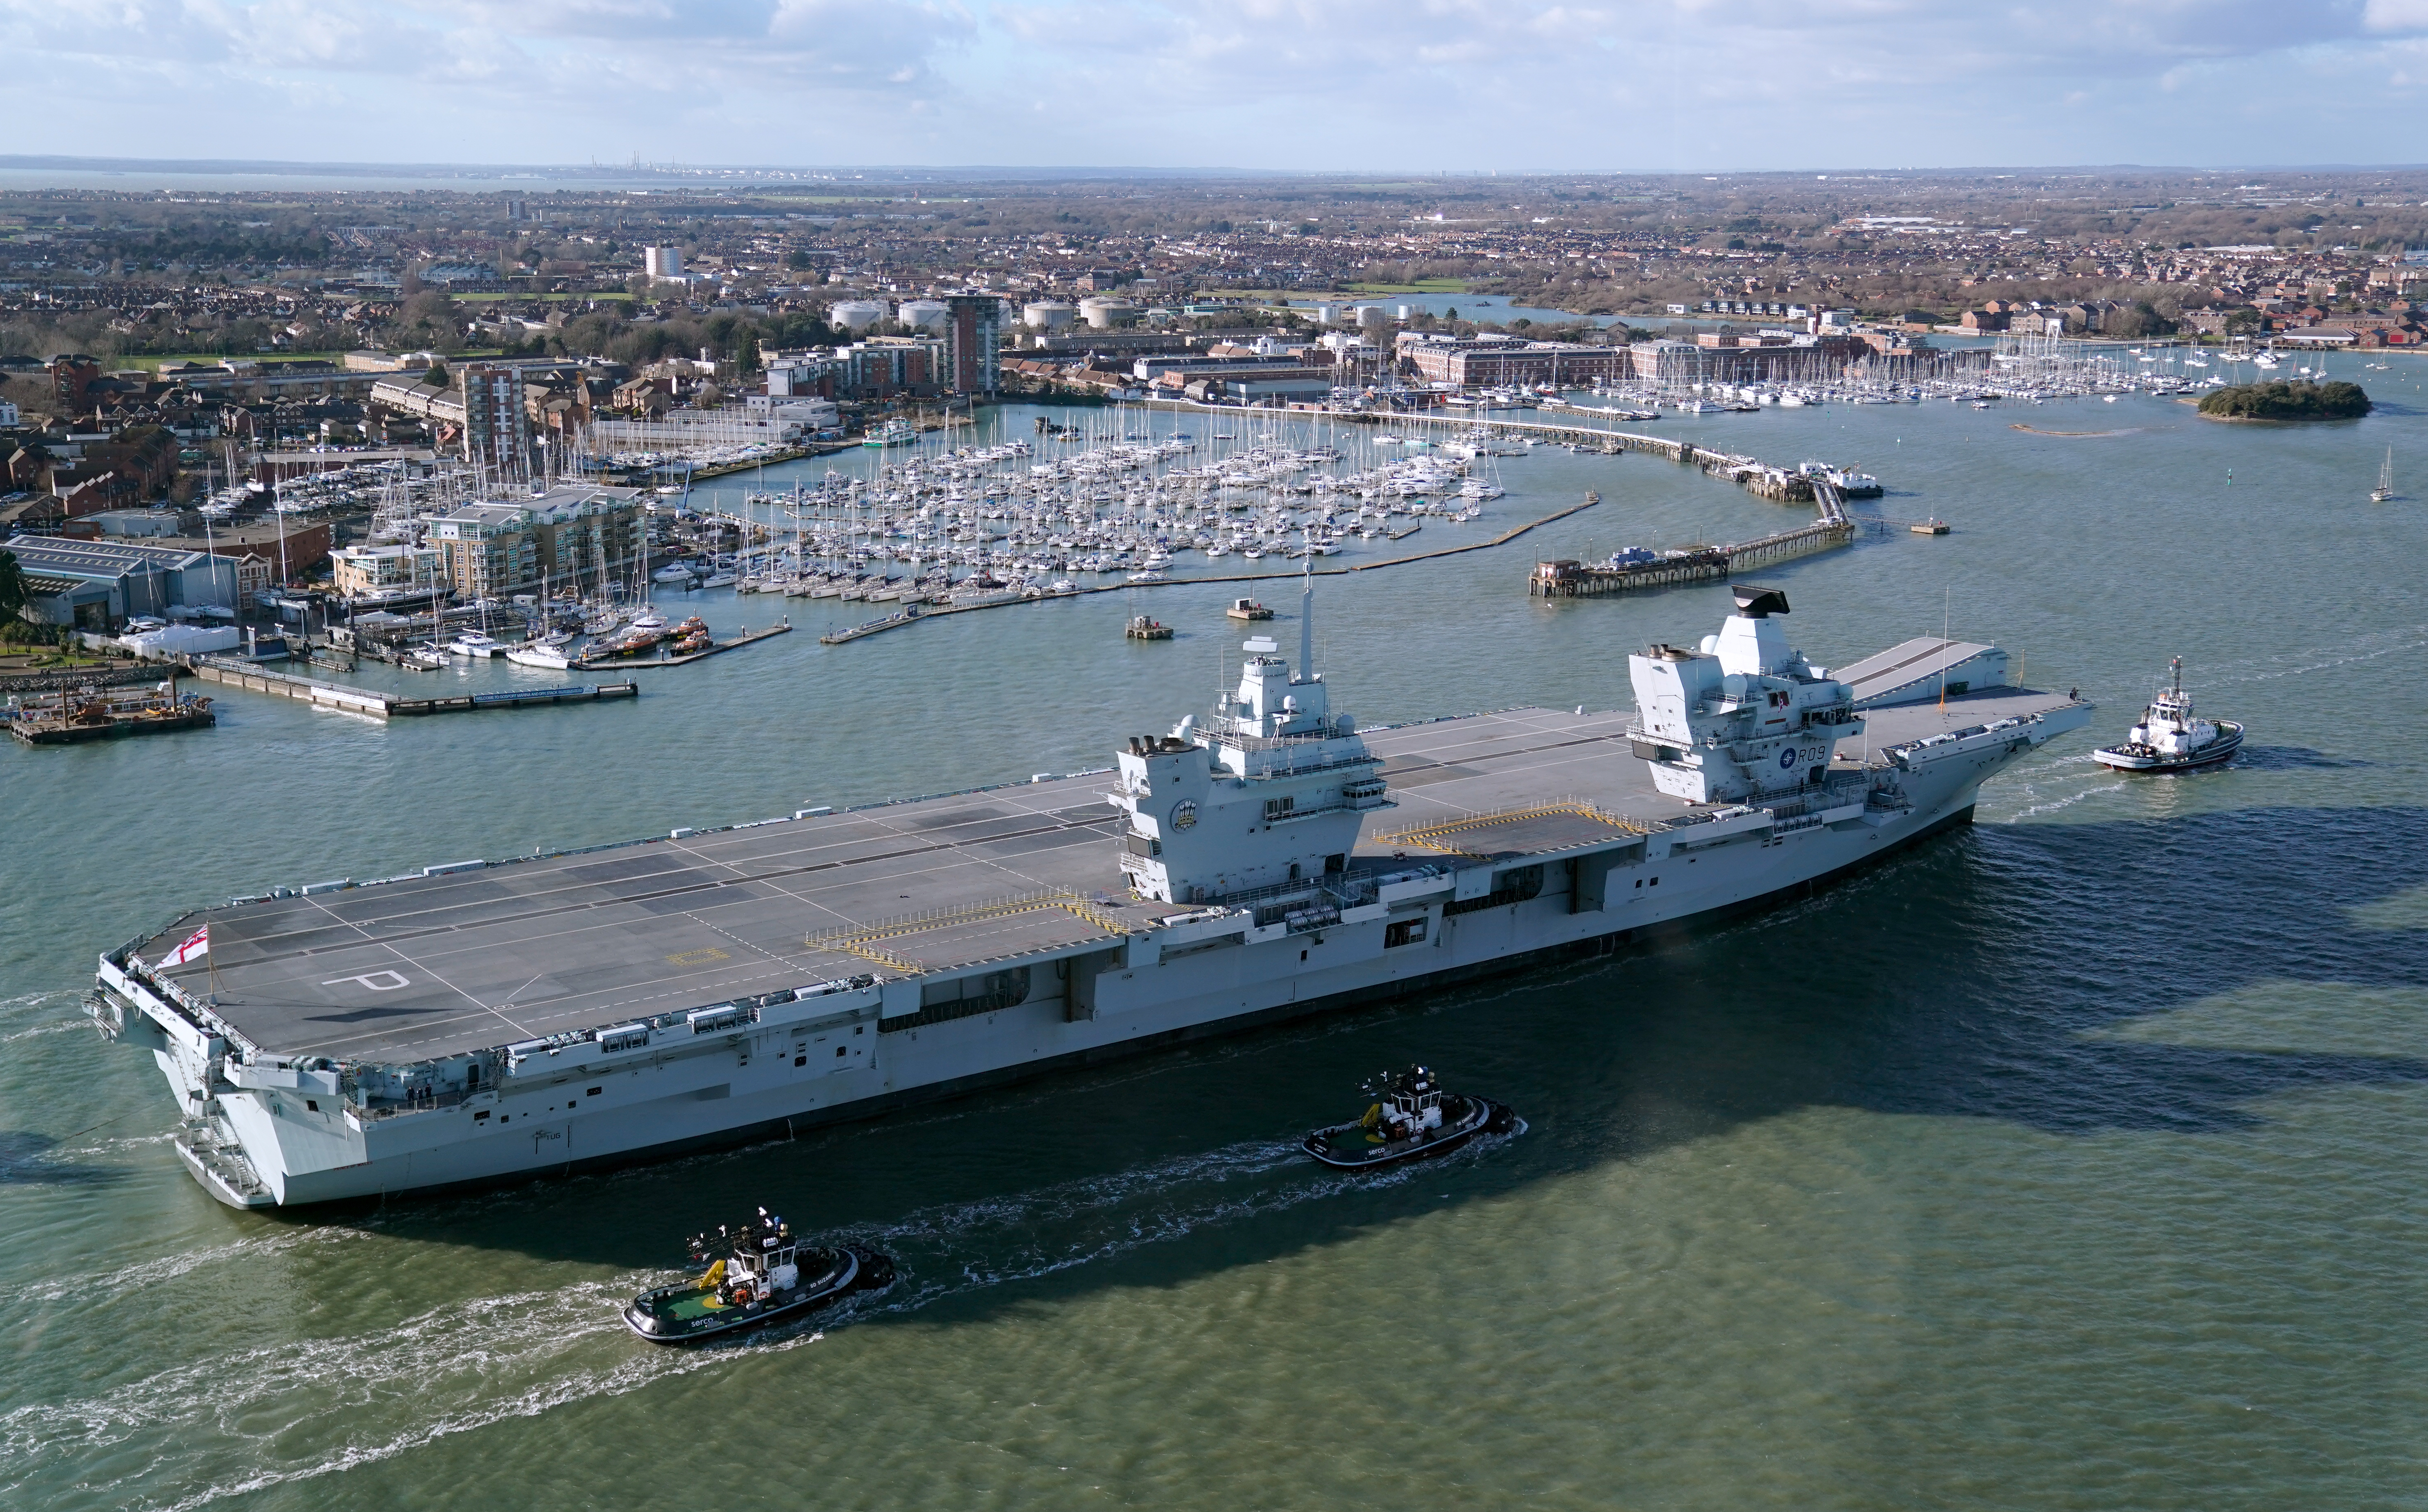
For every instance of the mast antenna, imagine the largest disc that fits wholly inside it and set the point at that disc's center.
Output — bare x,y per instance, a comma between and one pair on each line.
1307,612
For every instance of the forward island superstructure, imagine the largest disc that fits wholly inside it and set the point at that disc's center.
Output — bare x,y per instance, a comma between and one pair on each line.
475,1021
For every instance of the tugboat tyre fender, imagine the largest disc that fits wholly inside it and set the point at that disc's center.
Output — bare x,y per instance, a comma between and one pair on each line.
875,1271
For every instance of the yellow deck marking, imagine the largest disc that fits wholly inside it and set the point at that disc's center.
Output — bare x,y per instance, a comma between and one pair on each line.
861,939
1432,836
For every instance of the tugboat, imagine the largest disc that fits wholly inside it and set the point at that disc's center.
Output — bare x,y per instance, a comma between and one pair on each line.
765,1275
2168,739
1412,1117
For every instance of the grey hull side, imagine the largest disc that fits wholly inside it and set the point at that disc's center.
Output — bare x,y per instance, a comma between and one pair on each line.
763,1131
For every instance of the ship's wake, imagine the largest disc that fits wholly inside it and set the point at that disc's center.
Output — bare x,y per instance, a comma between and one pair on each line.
237,1421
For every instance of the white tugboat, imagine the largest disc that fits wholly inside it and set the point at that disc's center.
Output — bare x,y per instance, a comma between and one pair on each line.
765,1274
1411,1118
2169,739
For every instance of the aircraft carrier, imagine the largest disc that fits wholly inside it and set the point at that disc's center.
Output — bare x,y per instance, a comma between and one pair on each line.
479,1022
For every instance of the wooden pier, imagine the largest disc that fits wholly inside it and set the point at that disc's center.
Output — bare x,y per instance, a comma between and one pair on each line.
377,705
1570,578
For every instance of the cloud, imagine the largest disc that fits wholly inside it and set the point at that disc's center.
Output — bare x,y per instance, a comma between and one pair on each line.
1274,83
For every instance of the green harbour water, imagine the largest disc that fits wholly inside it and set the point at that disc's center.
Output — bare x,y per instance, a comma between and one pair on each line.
2076,1159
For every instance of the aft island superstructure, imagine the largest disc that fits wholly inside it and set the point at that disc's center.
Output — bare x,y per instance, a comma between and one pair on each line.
1269,857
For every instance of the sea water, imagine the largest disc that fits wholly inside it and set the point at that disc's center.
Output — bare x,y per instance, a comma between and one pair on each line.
2074,1159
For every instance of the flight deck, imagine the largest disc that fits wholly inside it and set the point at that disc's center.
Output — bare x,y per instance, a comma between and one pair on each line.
462,959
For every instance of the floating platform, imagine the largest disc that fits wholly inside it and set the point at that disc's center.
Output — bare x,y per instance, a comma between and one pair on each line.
868,627
72,718
515,698
747,638
377,705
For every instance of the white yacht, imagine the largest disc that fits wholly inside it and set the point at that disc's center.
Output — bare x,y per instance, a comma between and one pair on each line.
539,653
476,643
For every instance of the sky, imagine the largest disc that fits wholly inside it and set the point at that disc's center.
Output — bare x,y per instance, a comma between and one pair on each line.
1508,86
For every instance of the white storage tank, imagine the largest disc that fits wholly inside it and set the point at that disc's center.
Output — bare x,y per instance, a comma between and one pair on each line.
1049,316
1103,314
856,314
926,314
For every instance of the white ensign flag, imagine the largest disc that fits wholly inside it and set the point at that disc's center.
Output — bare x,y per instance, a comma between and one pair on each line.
198,943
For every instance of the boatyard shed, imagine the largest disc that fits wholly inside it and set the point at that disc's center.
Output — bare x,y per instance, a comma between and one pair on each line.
114,579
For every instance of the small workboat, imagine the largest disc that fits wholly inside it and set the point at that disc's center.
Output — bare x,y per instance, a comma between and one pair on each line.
2169,739
1411,1118
758,1274
1248,609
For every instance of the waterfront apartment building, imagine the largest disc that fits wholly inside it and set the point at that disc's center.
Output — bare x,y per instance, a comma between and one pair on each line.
568,539
1486,363
973,342
881,368
496,423
369,572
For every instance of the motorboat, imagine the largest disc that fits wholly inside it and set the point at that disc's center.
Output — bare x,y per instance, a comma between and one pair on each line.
539,653
1410,1118
2169,737
757,1273
476,643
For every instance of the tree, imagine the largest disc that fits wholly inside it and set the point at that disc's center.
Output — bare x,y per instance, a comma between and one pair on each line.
797,260
438,377
12,586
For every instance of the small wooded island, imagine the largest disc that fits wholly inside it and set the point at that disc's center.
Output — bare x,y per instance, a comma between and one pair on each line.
2283,400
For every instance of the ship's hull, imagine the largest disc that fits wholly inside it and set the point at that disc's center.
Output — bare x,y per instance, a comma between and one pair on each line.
264,1150
2122,758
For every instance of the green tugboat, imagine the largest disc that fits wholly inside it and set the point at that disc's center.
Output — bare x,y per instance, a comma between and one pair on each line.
758,1274
1411,1118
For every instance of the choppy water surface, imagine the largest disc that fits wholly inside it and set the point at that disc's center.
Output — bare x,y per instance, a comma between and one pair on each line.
2074,1160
